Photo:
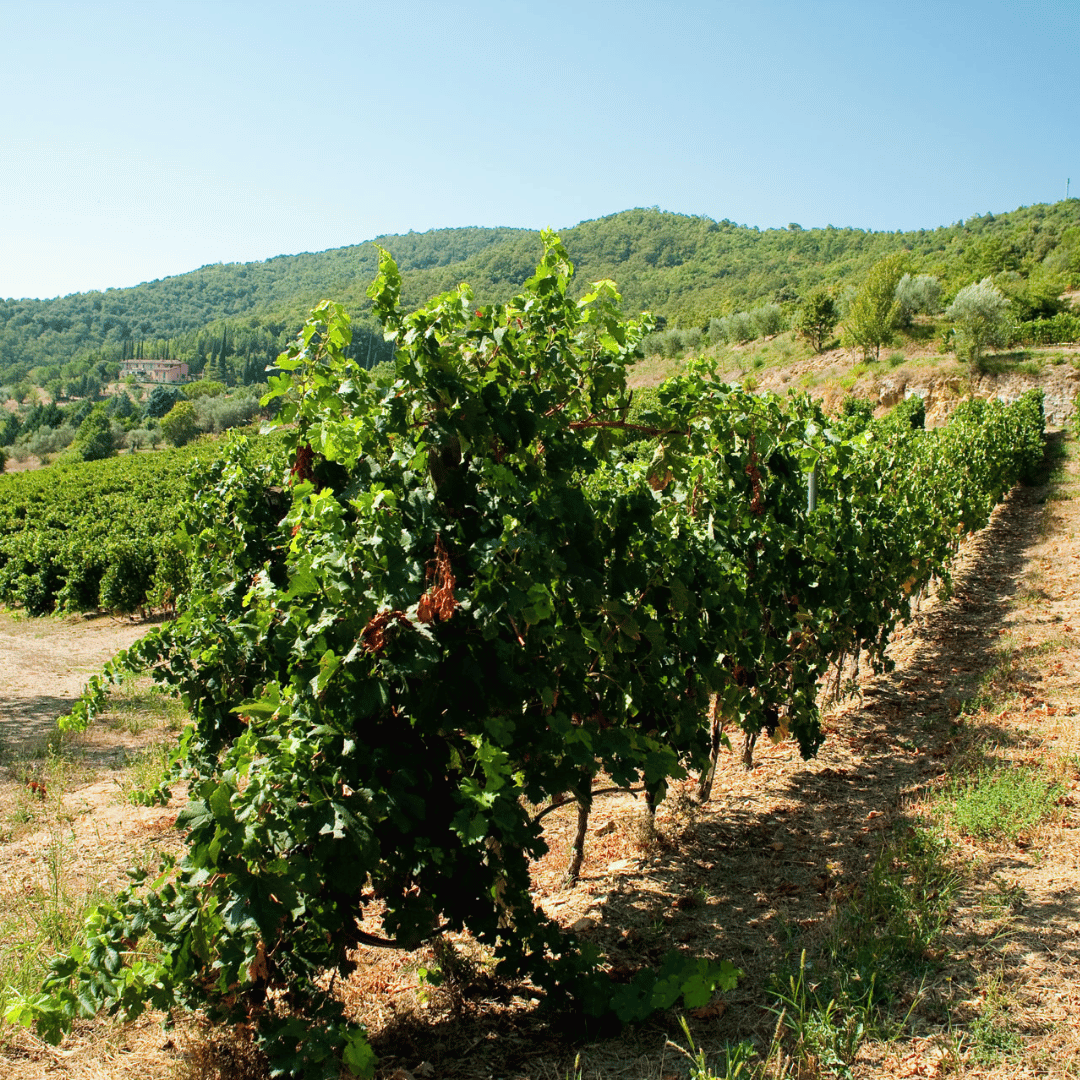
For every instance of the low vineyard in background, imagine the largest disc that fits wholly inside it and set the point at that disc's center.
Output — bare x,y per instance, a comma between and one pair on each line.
84,536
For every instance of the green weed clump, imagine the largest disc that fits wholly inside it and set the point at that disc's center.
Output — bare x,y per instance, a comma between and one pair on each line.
1003,803
41,920
735,1062
877,954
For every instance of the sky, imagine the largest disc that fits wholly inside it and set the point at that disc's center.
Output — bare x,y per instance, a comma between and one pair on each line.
144,139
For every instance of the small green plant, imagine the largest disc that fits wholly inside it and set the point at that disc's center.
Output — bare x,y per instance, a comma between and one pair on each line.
1003,803
1003,898
992,1039
827,1034
735,1060
453,973
975,704
895,359
145,773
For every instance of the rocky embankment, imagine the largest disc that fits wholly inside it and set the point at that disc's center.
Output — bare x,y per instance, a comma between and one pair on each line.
942,393
941,383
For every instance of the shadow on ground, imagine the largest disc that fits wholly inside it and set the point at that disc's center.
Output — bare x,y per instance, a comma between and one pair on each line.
752,878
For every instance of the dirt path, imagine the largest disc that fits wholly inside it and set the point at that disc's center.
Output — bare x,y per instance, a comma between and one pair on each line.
44,664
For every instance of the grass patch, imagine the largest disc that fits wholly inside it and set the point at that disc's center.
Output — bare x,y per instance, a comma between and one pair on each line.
41,917
992,1040
145,773
780,351
867,978
138,705
991,1037
853,376
1002,803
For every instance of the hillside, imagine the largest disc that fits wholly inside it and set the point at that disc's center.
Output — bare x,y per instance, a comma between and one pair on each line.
685,269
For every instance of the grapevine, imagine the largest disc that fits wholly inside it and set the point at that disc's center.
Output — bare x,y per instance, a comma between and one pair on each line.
465,593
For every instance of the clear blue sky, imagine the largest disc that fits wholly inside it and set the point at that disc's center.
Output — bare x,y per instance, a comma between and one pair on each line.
140,140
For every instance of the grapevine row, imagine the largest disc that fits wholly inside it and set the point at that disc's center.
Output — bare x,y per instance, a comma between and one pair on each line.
462,595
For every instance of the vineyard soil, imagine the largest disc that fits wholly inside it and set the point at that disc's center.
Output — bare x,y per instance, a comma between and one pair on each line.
766,870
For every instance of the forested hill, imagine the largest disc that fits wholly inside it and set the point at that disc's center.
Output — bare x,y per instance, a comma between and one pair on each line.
190,316
684,268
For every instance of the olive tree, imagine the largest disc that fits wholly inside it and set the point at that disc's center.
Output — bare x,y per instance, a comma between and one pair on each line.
920,294
767,319
981,317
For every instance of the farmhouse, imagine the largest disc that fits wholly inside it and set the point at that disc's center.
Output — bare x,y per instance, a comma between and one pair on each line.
161,371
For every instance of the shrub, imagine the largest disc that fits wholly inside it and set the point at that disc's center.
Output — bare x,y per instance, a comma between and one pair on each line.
859,411
1064,327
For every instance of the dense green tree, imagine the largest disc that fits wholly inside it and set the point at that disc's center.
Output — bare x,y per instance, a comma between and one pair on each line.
121,407
162,399
874,313
10,426
178,424
817,317
94,439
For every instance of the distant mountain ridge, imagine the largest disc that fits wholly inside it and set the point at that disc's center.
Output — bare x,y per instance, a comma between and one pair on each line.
684,268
